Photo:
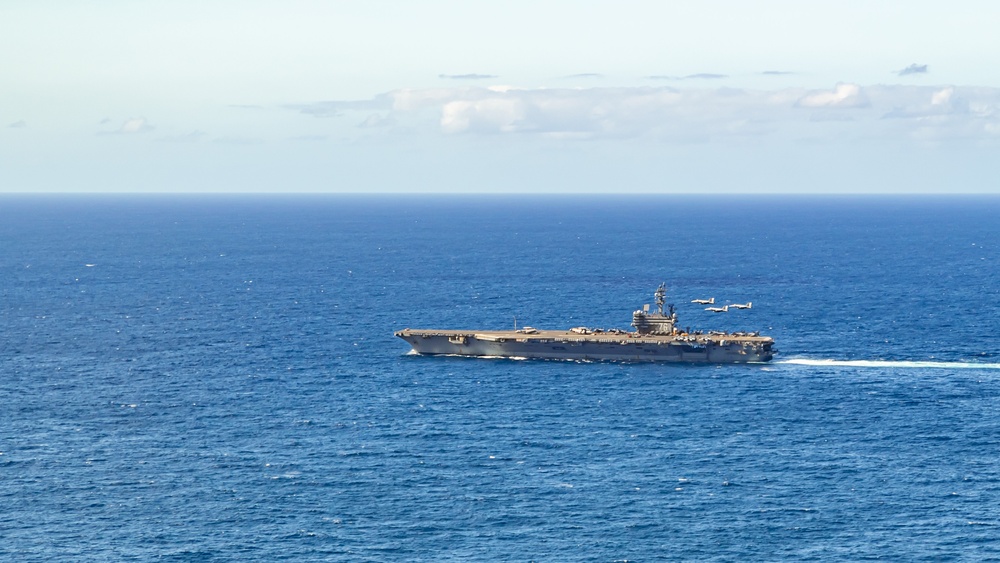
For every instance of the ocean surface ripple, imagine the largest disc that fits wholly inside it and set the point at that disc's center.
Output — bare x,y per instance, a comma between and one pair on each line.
215,379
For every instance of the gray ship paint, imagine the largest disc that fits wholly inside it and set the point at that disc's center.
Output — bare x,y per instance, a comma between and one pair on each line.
656,339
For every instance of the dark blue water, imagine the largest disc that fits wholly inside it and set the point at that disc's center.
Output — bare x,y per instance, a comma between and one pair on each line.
215,379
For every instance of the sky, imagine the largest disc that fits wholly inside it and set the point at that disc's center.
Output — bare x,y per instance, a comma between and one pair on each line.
559,96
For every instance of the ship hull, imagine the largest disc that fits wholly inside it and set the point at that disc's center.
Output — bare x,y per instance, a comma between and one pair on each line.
565,346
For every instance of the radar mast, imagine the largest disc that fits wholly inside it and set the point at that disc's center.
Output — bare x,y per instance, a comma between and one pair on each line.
661,297
657,323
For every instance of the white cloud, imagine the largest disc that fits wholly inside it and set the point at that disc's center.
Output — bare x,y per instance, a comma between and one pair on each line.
913,69
407,99
843,96
135,125
500,114
942,96
131,126
685,115
336,108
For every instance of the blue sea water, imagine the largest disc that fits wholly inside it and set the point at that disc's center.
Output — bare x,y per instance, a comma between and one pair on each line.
215,379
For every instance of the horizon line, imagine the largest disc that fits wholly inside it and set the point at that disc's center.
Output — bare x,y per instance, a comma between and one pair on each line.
517,194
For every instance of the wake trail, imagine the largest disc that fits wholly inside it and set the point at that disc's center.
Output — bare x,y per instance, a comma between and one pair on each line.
889,364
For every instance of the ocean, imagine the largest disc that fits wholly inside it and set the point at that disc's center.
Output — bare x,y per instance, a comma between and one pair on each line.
215,378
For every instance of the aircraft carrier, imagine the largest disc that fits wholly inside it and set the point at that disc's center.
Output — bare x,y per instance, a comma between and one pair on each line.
657,338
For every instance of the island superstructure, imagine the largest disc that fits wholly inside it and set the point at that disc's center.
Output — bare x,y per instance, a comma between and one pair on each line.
657,338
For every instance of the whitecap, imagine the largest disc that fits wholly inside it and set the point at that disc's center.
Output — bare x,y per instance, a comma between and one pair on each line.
889,364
